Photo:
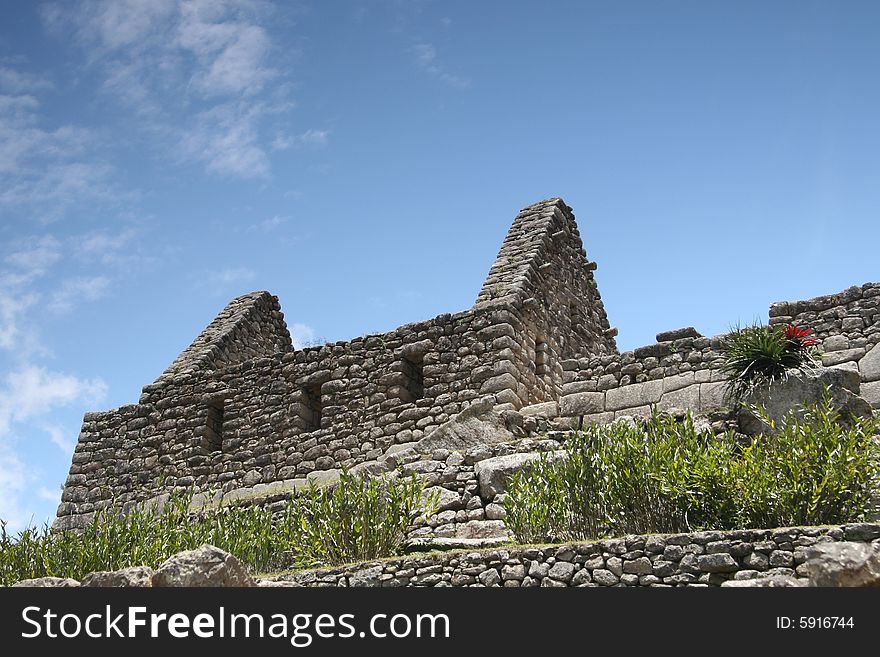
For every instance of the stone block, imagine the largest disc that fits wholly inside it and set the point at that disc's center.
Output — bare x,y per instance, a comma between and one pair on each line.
582,403
871,393
677,382
869,365
838,357
546,410
713,395
687,398
637,394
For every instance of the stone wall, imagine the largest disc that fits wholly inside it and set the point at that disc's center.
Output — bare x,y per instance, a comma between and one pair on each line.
848,327
242,409
699,559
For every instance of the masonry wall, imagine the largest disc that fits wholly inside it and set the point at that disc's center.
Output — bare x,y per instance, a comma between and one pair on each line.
699,559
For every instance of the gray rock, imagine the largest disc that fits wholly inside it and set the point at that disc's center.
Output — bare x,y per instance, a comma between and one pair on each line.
774,581
489,577
202,567
366,577
478,424
640,566
869,365
582,403
135,576
494,473
47,582
717,563
482,529
605,577
446,499
779,398
844,564
677,334
431,543
562,571
513,572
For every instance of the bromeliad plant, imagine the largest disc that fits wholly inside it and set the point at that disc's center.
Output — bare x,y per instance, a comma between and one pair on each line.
757,355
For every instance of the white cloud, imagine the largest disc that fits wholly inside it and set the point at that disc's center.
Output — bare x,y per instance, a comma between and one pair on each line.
231,53
36,257
194,71
61,438
426,58
13,483
226,139
16,82
32,392
302,335
307,138
76,291
271,223
13,307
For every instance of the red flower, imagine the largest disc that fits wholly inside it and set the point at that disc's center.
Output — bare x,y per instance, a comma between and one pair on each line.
799,336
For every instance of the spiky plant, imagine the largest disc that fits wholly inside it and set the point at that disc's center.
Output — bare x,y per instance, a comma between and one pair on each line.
757,355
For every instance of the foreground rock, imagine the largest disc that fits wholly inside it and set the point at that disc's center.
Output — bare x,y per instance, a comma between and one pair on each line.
781,397
844,564
203,567
136,576
47,582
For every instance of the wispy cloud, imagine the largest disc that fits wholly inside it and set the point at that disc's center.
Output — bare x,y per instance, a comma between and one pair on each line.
32,391
223,281
74,292
196,73
425,55
307,138
18,82
303,335
270,224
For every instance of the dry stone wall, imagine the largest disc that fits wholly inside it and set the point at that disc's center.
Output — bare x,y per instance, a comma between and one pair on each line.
700,559
242,410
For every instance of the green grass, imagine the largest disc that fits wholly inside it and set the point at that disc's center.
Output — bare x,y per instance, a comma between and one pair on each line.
353,520
667,477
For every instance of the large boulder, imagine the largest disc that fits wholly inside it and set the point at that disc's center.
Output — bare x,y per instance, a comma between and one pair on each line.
494,473
203,567
781,397
47,582
135,576
845,563
478,424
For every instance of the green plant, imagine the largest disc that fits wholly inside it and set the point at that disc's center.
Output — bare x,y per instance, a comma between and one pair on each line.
666,476
758,355
357,519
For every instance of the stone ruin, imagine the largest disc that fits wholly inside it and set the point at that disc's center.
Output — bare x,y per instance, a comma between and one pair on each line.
458,398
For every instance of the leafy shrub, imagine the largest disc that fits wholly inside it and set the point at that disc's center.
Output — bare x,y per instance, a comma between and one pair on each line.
757,355
353,520
668,477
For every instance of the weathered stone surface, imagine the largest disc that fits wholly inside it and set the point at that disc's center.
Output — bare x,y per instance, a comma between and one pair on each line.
871,393
446,499
47,582
781,397
582,403
713,395
677,334
562,571
686,398
545,410
494,473
478,424
203,567
631,396
844,564
773,581
366,577
843,356
717,563
869,366
482,529
136,576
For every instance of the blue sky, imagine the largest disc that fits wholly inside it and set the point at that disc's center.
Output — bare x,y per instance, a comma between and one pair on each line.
364,160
